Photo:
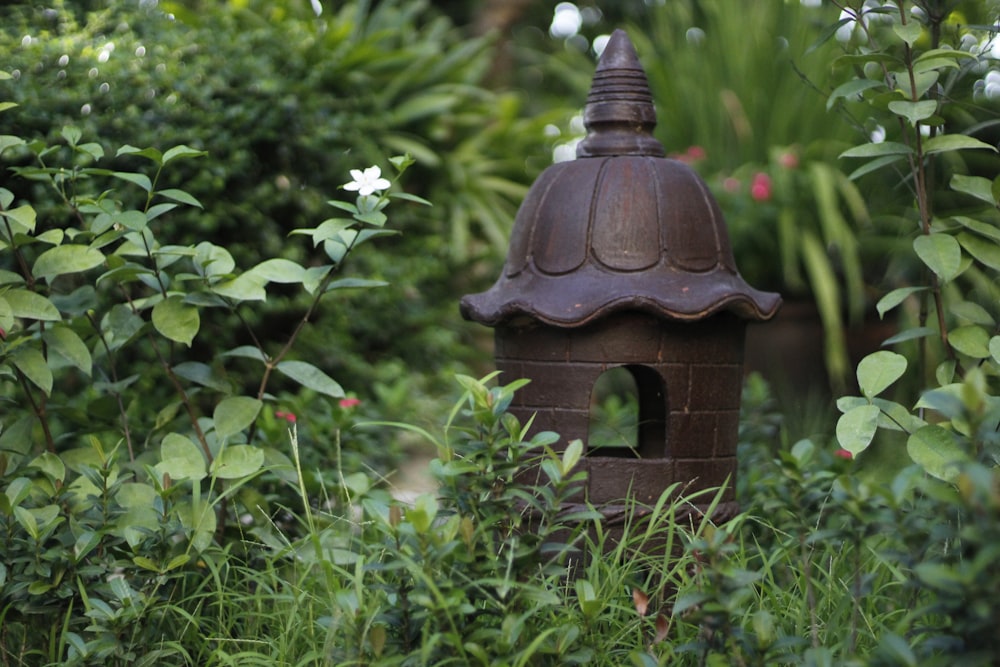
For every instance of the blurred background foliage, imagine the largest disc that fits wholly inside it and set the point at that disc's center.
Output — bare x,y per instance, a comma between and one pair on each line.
484,94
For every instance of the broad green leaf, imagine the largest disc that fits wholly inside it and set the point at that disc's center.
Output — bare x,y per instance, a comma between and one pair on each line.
17,436
954,142
972,341
941,253
159,209
65,342
922,80
181,151
149,153
423,512
65,259
311,377
9,141
179,196
32,364
908,32
878,150
346,283
914,112
976,186
142,180
199,523
10,278
909,334
878,371
973,313
895,297
874,165
236,461
328,229
279,271
23,216
213,260
979,227
246,287
852,88
856,428
176,320
995,348
51,465
234,414
937,451
71,134
984,251
181,458
248,351
202,374
6,315
137,494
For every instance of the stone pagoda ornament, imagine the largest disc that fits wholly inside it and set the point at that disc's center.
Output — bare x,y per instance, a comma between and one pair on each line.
621,259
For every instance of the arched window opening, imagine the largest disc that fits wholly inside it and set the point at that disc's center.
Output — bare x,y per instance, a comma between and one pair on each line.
628,410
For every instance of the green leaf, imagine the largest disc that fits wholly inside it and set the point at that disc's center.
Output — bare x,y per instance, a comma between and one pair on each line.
954,142
65,259
202,374
71,135
941,253
142,180
247,351
346,283
65,342
909,334
181,458
246,287
874,165
237,461
176,320
878,150
212,260
895,297
199,523
995,348
181,151
975,186
32,364
972,341
23,216
856,428
914,112
908,32
878,371
16,436
148,153
852,88
279,271
234,414
180,196
311,377
6,315
937,451
985,252
423,512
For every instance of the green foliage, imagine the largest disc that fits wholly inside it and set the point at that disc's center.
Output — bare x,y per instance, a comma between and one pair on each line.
286,102
951,219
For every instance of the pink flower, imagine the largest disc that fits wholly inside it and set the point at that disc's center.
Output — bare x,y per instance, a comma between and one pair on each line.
731,184
760,187
843,454
287,416
788,160
350,402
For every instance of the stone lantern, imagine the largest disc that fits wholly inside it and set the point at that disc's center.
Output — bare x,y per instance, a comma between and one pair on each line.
621,259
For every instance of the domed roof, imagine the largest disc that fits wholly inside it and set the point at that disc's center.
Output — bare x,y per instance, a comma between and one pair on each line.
619,228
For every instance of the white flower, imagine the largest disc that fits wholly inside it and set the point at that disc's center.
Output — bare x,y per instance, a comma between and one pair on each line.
368,181
317,8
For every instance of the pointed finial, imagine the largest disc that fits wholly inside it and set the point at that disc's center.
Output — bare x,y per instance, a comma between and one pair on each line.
619,115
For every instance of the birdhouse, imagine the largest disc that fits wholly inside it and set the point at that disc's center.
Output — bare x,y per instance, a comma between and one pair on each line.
620,259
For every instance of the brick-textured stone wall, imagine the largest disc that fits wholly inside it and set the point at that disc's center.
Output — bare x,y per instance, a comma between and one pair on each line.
699,364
